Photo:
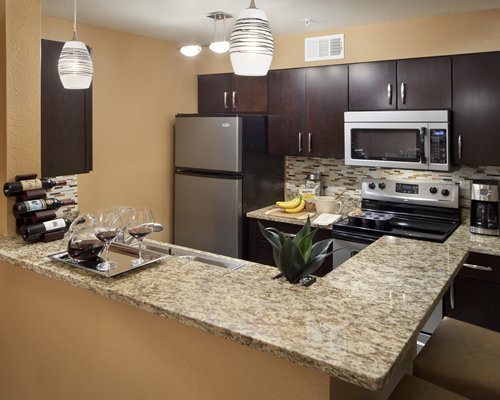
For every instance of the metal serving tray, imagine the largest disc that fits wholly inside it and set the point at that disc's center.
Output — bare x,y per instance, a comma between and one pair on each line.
121,254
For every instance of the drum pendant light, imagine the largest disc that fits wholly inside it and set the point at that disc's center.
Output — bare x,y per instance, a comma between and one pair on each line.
75,65
251,43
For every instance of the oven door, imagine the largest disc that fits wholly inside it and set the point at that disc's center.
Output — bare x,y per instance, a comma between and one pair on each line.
346,245
387,144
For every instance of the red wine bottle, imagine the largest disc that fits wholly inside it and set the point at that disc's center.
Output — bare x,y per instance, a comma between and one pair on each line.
14,188
24,207
33,232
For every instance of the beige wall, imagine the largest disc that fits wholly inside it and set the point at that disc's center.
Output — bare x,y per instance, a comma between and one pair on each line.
453,34
62,342
139,85
20,95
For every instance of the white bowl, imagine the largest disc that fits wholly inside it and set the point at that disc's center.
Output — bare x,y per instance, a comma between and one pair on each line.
327,205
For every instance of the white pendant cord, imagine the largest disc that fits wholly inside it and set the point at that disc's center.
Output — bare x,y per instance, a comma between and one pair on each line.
74,21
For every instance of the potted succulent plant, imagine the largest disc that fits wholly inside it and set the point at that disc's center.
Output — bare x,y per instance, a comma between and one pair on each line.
296,257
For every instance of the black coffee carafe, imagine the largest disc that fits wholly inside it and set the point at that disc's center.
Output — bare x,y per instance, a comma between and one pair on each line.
484,207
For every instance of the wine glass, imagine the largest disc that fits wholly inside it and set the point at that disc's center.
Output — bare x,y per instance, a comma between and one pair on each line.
139,227
106,229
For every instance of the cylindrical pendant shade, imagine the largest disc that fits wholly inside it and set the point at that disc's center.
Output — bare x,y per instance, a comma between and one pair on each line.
252,45
75,65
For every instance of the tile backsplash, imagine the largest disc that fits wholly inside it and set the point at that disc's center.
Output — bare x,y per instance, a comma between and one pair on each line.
68,191
335,176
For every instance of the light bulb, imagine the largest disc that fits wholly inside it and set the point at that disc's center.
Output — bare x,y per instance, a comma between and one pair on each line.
219,47
191,50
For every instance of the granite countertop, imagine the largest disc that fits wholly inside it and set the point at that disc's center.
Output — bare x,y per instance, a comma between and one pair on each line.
357,323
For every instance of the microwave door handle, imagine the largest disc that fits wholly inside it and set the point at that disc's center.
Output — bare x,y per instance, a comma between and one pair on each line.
423,156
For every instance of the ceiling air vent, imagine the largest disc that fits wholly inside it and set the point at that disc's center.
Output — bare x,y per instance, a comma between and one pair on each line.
324,47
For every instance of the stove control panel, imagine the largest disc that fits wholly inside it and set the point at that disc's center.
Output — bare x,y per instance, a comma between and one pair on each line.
422,193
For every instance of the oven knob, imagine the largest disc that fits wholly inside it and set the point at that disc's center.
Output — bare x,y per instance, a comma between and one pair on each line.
381,185
371,185
433,190
445,192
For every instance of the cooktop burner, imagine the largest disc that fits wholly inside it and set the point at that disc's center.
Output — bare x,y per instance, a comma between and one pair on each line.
424,211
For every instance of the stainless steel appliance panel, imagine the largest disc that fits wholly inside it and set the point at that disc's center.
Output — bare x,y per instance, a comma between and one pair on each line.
398,139
345,249
208,213
485,207
209,143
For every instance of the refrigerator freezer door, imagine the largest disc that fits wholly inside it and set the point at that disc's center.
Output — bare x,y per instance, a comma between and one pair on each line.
207,213
209,143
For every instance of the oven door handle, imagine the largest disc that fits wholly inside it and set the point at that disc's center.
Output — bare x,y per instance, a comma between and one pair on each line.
423,155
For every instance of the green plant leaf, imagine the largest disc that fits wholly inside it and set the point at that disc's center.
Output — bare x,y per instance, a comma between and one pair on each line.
304,239
305,230
280,234
312,265
321,247
291,261
272,237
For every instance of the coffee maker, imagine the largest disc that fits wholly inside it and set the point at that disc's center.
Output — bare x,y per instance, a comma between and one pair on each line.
484,207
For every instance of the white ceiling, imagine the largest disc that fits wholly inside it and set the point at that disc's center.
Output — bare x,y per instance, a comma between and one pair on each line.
185,21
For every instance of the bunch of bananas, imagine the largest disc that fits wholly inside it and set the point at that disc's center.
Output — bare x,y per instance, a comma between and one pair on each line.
295,205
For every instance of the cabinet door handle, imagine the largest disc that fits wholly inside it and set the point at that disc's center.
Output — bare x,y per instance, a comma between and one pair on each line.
460,146
300,142
452,295
403,92
309,142
234,100
389,93
478,267
226,106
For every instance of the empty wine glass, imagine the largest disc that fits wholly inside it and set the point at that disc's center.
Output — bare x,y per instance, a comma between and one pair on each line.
140,226
106,228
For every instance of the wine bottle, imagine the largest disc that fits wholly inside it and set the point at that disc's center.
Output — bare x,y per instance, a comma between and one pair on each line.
23,207
13,188
33,232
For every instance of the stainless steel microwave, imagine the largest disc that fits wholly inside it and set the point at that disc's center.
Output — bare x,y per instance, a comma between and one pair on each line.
398,139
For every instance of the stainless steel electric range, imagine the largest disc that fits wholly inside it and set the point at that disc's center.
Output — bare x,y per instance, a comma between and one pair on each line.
417,210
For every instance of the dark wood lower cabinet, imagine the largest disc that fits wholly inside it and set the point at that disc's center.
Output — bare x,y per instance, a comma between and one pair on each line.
475,294
259,250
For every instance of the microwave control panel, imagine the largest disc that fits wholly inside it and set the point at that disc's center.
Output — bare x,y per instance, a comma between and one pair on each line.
438,146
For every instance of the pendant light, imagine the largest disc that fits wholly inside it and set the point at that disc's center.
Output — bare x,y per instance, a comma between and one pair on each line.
219,46
75,65
251,43
190,50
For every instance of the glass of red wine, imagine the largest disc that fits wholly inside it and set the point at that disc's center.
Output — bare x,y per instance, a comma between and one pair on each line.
106,229
140,225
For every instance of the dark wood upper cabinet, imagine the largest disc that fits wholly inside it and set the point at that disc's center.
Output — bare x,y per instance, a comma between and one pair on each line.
372,86
476,100
306,111
424,83
66,120
230,93
286,117
413,84
326,102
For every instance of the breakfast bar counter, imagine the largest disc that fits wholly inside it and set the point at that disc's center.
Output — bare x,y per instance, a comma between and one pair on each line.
356,325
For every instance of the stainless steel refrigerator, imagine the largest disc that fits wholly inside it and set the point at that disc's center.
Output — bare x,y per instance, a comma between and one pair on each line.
222,171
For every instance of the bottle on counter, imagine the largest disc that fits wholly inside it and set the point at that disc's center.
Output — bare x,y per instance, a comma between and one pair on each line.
24,207
32,233
14,188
